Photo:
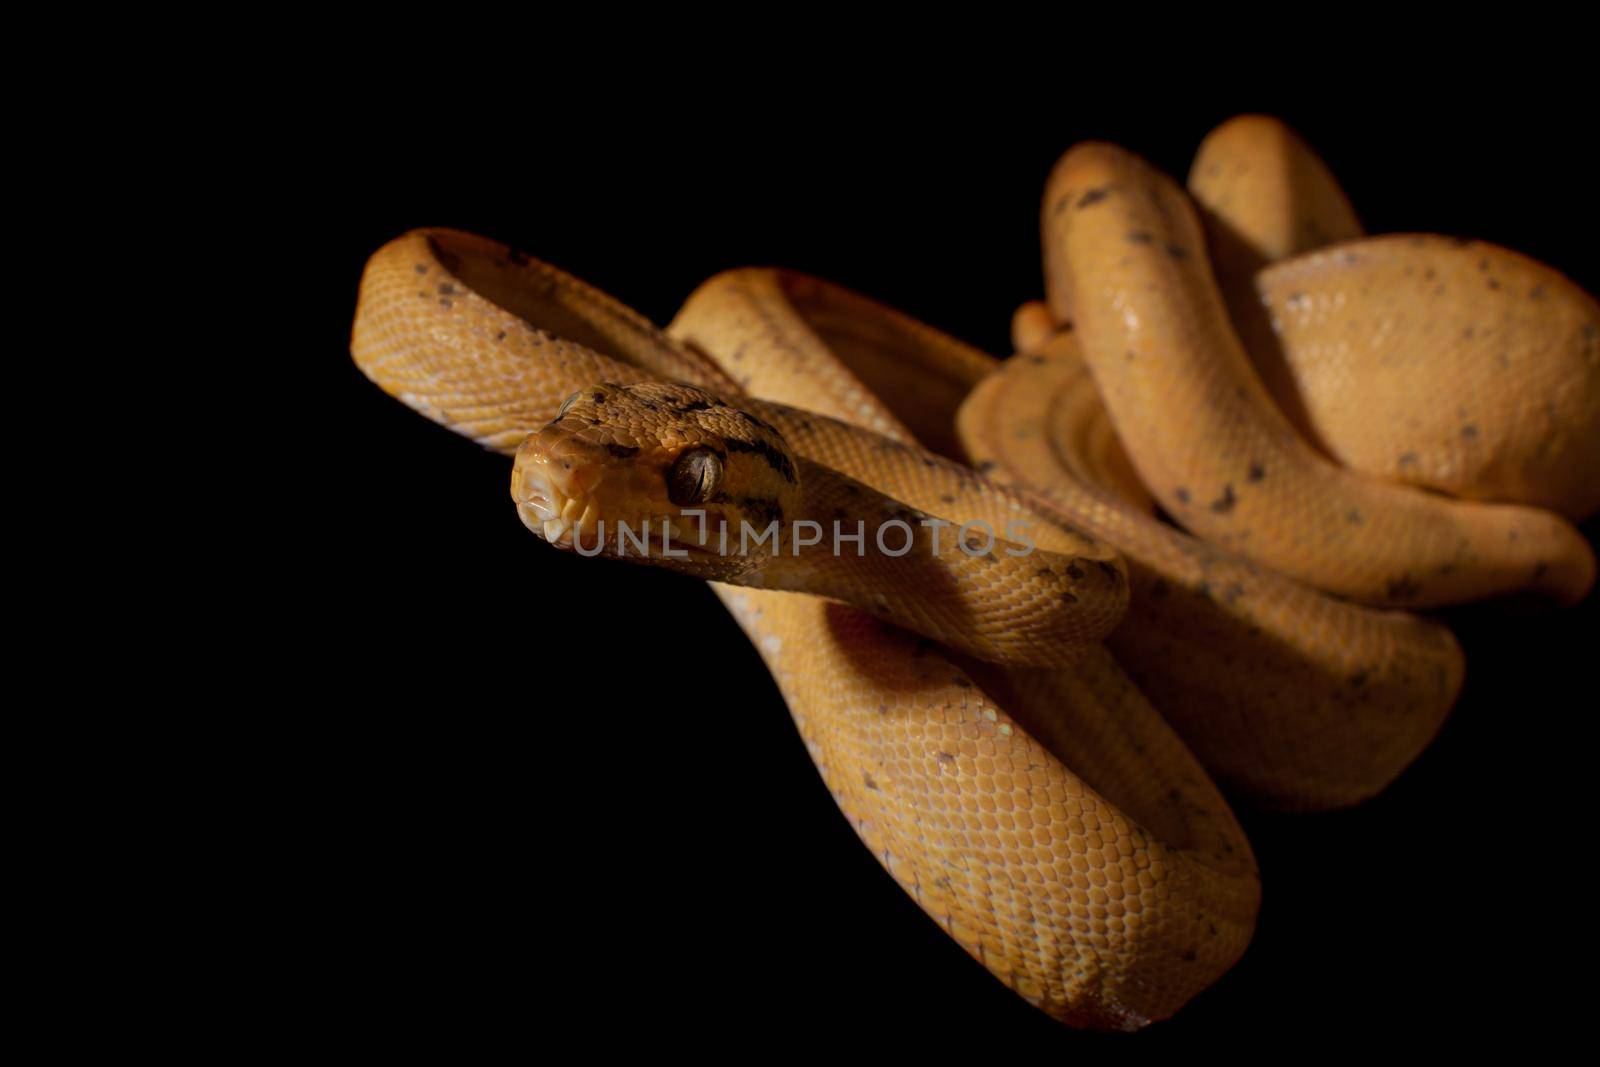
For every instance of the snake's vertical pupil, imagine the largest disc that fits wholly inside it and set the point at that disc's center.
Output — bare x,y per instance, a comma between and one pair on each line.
694,477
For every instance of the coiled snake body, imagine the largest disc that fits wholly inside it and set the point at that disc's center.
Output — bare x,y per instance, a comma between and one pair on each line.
995,757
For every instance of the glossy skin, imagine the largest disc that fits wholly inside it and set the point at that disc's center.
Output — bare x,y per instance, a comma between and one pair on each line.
1452,364
1457,365
1125,262
1263,196
1266,196
905,378
1067,840
1073,426
1094,960
1295,699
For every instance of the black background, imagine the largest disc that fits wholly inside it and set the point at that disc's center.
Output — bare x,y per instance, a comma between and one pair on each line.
558,798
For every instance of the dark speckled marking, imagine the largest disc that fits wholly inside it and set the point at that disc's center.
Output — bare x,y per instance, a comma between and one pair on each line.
1093,196
1256,472
1403,588
759,423
775,459
1182,494
1177,251
866,780
1408,459
1074,571
1353,517
622,451
1140,237
1469,432
763,511
1224,503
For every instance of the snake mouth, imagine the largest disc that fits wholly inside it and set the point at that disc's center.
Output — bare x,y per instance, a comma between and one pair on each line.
551,512
571,521
559,505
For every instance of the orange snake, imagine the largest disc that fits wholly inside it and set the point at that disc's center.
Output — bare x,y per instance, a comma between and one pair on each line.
1048,819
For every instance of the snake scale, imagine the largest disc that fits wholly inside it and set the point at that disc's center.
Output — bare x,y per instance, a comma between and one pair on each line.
1021,729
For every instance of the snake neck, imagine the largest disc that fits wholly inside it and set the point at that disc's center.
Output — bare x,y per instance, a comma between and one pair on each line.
967,585
843,530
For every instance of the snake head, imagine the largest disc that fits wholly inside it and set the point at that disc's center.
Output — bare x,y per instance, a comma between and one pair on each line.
621,460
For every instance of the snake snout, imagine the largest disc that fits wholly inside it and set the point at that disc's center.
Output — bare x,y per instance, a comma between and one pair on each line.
549,501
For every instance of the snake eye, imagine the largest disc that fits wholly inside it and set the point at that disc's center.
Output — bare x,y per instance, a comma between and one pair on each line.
694,477
566,405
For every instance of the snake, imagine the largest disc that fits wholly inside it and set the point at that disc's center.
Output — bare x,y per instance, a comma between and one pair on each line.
1125,263
1047,818
1508,346
727,498
987,722
1293,698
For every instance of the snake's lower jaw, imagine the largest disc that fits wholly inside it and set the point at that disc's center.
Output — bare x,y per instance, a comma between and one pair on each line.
558,527
563,519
